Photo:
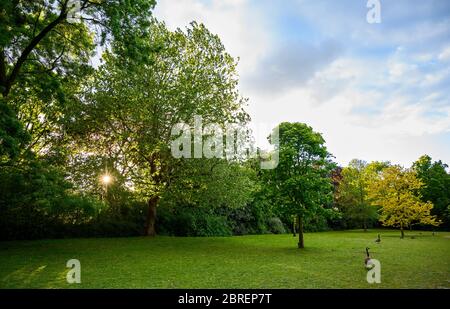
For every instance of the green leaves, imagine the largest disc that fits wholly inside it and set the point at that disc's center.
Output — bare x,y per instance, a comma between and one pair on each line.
352,193
129,109
436,187
301,183
12,134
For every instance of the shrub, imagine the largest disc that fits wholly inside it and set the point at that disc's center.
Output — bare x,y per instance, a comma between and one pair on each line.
316,224
275,226
190,221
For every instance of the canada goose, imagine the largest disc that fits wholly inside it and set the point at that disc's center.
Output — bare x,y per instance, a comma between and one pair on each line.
367,261
378,240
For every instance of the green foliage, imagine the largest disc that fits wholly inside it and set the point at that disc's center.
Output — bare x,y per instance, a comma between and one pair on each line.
65,123
150,79
39,45
12,134
352,194
36,200
275,226
210,183
212,221
317,223
44,57
128,112
301,184
250,219
436,187
301,179
189,221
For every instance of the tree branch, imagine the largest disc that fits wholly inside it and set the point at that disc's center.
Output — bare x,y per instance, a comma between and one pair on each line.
25,53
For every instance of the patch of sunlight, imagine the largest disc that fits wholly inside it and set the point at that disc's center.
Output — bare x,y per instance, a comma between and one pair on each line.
59,280
23,275
17,275
34,273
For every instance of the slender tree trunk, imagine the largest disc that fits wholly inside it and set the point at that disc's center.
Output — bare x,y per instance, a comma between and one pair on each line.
293,228
402,233
365,225
301,243
151,216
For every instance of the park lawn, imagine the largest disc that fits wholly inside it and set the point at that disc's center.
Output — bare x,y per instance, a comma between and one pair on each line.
330,260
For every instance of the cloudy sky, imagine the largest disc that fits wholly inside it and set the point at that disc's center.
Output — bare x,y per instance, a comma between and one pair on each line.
375,91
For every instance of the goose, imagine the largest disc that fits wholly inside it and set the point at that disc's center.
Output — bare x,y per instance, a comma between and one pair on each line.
367,261
378,240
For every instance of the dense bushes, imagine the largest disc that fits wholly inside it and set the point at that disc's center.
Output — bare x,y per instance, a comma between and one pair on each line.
38,202
275,225
18,225
192,221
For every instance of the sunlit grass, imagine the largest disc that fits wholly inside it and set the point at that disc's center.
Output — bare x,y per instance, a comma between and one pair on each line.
330,260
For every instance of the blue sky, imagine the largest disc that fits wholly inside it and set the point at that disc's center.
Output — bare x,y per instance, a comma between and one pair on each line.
375,91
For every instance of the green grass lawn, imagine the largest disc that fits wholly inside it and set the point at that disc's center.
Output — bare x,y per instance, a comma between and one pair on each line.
330,260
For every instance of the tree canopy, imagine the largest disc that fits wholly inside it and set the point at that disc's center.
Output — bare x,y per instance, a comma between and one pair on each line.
397,192
301,182
436,188
352,193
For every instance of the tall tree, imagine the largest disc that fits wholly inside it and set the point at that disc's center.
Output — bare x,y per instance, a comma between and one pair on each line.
301,182
436,187
42,37
129,111
47,48
352,193
397,192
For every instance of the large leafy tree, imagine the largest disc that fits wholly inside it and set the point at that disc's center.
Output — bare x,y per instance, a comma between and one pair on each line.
45,53
301,183
397,192
436,187
40,38
130,108
44,56
210,183
352,193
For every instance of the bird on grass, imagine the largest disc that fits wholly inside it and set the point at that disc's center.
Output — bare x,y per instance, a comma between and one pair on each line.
378,240
368,261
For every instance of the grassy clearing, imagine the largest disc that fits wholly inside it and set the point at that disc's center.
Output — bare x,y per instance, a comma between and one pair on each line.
331,260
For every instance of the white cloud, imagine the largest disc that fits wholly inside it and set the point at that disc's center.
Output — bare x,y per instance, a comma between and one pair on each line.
348,102
391,106
445,54
241,27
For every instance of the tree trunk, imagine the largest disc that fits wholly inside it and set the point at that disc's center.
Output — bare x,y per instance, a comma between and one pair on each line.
402,233
301,243
293,228
365,225
151,216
